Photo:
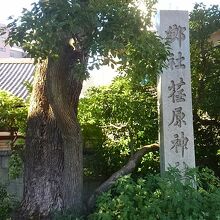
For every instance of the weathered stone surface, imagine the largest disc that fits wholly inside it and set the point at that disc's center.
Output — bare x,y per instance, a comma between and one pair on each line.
174,91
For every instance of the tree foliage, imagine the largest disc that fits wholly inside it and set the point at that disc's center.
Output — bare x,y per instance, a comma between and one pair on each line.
205,59
13,112
123,116
13,118
108,32
117,120
167,197
205,66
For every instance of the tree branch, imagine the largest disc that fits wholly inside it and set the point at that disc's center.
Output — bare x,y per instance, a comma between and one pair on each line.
202,121
126,169
209,122
119,126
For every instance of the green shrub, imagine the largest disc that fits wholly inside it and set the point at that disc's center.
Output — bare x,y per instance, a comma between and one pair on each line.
16,159
15,166
165,198
7,203
13,112
117,120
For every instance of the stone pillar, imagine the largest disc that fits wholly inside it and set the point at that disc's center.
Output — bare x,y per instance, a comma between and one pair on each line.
174,94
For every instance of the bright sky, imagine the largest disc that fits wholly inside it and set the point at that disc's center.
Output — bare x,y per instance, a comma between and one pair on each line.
14,7
183,4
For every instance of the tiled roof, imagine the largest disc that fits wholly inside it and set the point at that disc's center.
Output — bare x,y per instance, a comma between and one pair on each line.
14,73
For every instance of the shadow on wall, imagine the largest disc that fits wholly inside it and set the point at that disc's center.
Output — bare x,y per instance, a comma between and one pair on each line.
15,186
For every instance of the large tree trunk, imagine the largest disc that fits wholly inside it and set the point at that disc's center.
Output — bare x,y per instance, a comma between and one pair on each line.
43,156
63,88
53,177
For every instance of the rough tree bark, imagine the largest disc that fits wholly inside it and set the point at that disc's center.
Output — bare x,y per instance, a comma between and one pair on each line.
63,88
53,177
43,163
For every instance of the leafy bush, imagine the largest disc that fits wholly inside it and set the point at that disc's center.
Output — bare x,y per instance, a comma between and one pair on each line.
15,166
117,120
13,118
205,84
16,159
168,197
7,203
13,112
